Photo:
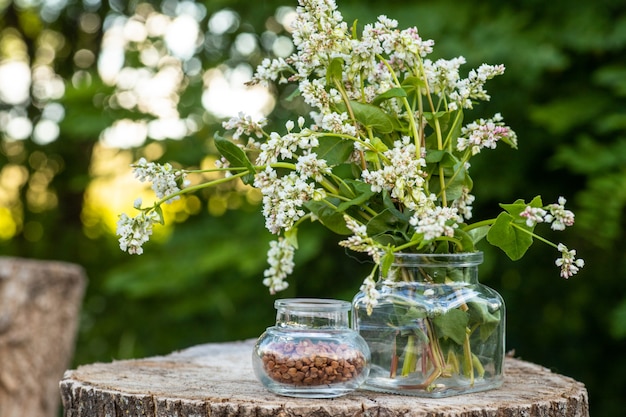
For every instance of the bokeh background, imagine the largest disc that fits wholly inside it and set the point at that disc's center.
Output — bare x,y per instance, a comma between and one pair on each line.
88,87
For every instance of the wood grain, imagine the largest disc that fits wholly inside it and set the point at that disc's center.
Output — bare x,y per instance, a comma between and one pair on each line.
217,380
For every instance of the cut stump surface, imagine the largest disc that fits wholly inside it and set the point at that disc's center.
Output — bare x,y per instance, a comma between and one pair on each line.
218,380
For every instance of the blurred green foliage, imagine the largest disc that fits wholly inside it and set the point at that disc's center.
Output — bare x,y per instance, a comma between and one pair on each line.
564,92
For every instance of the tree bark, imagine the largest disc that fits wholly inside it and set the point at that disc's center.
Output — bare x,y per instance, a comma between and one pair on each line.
39,306
217,380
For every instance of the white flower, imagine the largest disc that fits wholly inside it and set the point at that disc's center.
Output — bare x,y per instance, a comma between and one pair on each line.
135,231
280,260
402,174
471,88
440,221
360,241
463,204
338,123
559,216
165,179
533,215
244,125
443,75
567,262
371,293
309,166
484,134
270,70
283,198
285,147
319,32
315,94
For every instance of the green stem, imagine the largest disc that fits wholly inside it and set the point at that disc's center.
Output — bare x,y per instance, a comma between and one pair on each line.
447,141
476,225
197,187
346,99
410,356
442,178
412,243
330,187
443,185
393,369
361,142
536,236
409,109
468,363
204,171
438,358
480,369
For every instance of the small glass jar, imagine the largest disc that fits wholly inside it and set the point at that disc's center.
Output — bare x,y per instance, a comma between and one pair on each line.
311,352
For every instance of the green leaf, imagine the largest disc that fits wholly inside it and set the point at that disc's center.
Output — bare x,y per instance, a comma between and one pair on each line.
371,116
330,218
448,121
389,239
443,116
386,262
393,93
378,144
159,210
452,324
334,74
488,320
466,239
291,236
355,34
360,190
390,205
442,157
478,233
413,84
334,150
518,206
413,313
295,93
455,174
513,240
383,222
236,156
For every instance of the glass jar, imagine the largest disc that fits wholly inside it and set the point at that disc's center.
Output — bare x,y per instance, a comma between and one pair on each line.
312,351
434,330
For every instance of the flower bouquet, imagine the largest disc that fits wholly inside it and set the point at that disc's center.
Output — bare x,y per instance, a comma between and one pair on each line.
383,157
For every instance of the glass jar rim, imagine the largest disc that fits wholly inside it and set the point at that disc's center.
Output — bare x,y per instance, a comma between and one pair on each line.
312,304
458,259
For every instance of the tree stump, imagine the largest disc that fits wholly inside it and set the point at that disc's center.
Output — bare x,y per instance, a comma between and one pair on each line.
217,380
39,306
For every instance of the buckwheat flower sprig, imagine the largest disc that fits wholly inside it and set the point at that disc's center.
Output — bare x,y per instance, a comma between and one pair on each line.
382,157
164,178
280,259
136,231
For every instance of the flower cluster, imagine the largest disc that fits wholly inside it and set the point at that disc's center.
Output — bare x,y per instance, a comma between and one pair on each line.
384,158
556,214
164,178
135,231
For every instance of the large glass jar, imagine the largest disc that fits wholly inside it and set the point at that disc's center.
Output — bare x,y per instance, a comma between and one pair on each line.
312,351
434,330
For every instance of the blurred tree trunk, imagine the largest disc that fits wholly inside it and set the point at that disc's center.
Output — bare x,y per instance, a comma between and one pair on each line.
39,307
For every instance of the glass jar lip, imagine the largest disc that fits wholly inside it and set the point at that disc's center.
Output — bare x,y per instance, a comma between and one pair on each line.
458,259
312,304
